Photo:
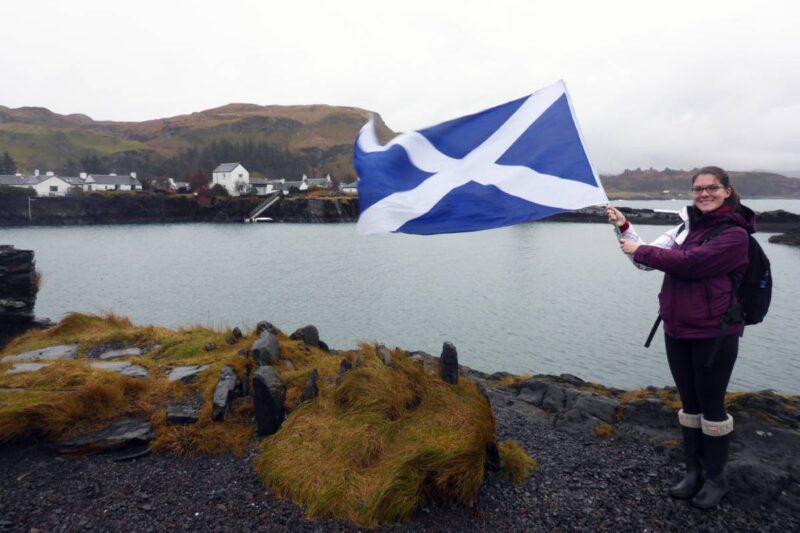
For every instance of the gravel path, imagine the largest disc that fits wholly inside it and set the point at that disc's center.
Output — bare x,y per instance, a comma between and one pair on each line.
583,484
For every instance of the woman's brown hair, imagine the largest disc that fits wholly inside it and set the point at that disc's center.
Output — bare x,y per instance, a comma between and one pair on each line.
733,200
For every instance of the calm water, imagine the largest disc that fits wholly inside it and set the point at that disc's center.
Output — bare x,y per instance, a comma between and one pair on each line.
534,298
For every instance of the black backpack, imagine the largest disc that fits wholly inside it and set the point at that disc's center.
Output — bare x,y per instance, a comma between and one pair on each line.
754,292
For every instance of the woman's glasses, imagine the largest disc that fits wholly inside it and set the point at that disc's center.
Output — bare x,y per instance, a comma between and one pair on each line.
710,189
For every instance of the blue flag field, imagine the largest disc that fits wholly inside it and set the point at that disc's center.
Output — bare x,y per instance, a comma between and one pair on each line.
513,163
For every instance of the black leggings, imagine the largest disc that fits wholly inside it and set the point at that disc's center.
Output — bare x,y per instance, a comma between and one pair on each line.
702,388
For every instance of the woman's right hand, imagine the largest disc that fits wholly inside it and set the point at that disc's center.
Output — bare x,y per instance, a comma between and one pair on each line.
615,216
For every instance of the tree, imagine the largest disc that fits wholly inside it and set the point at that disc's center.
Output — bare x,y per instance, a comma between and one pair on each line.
7,164
219,190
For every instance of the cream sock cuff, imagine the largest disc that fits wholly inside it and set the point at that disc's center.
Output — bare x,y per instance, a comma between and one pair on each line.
717,429
687,420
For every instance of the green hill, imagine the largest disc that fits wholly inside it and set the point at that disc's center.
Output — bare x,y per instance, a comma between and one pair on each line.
276,141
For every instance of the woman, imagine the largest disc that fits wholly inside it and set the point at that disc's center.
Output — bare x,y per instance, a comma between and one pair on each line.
701,259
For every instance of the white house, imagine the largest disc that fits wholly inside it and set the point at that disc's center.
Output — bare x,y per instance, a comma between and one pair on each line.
325,183
45,185
111,182
50,185
233,176
349,188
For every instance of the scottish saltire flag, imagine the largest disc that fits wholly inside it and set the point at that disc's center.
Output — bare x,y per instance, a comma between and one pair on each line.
516,162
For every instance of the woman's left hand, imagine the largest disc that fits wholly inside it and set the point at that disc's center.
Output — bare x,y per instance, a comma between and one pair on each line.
628,247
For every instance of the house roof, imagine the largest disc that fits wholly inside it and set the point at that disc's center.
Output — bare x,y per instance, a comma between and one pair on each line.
260,181
227,167
317,181
108,179
73,180
352,185
10,180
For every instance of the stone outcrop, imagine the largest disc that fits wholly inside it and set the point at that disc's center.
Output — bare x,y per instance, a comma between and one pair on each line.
448,365
384,355
311,389
186,374
308,334
266,350
182,415
118,435
791,237
224,393
125,352
52,353
18,288
123,368
269,395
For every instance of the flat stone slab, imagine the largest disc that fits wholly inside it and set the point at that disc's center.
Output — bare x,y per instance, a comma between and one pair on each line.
124,368
26,367
116,436
127,352
63,351
187,374
179,415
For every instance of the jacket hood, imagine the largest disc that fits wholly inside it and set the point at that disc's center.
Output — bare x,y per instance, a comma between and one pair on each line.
742,216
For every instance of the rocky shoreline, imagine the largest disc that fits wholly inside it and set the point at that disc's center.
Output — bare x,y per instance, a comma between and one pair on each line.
606,458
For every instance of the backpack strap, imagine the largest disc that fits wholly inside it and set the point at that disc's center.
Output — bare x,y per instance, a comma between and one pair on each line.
653,331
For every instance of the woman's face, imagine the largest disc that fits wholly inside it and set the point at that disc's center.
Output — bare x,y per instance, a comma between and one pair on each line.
708,193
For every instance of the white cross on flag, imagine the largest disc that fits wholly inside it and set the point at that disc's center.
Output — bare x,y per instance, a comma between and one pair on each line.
513,163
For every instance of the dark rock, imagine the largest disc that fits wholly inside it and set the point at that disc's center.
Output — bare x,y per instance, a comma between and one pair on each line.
576,422
246,382
266,350
753,483
263,326
554,398
242,352
210,346
448,365
598,406
575,381
230,340
269,394
650,412
224,393
308,334
344,368
531,391
384,355
311,391
181,415
236,333
118,435
496,376
324,346
492,457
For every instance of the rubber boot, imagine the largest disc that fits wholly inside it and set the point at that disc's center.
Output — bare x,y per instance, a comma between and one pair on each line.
692,451
716,485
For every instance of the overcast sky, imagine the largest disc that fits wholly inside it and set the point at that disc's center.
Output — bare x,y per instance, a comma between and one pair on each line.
677,84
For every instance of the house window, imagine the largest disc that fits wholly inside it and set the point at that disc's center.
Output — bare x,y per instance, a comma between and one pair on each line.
241,175
54,188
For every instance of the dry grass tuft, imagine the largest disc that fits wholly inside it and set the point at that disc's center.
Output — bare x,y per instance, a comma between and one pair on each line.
509,381
380,444
515,462
604,431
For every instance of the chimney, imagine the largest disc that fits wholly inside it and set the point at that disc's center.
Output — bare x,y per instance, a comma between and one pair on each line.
36,172
133,175
113,174
50,174
83,175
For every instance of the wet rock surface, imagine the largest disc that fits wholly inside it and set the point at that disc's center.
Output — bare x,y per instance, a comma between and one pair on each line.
116,436
269,394
224,393
123,368
187,374
266,350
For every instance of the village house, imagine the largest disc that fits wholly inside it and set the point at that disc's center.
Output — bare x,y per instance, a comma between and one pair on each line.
111,182
303,184
233,176
47,184
349,188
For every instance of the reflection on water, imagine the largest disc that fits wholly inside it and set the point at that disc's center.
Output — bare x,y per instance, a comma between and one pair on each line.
534,298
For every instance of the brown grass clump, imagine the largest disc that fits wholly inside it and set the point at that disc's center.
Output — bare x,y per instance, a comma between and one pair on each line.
508,381
604,431
670,399
515,462
380,444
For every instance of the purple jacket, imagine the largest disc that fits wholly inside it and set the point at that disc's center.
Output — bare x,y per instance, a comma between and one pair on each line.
697,290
